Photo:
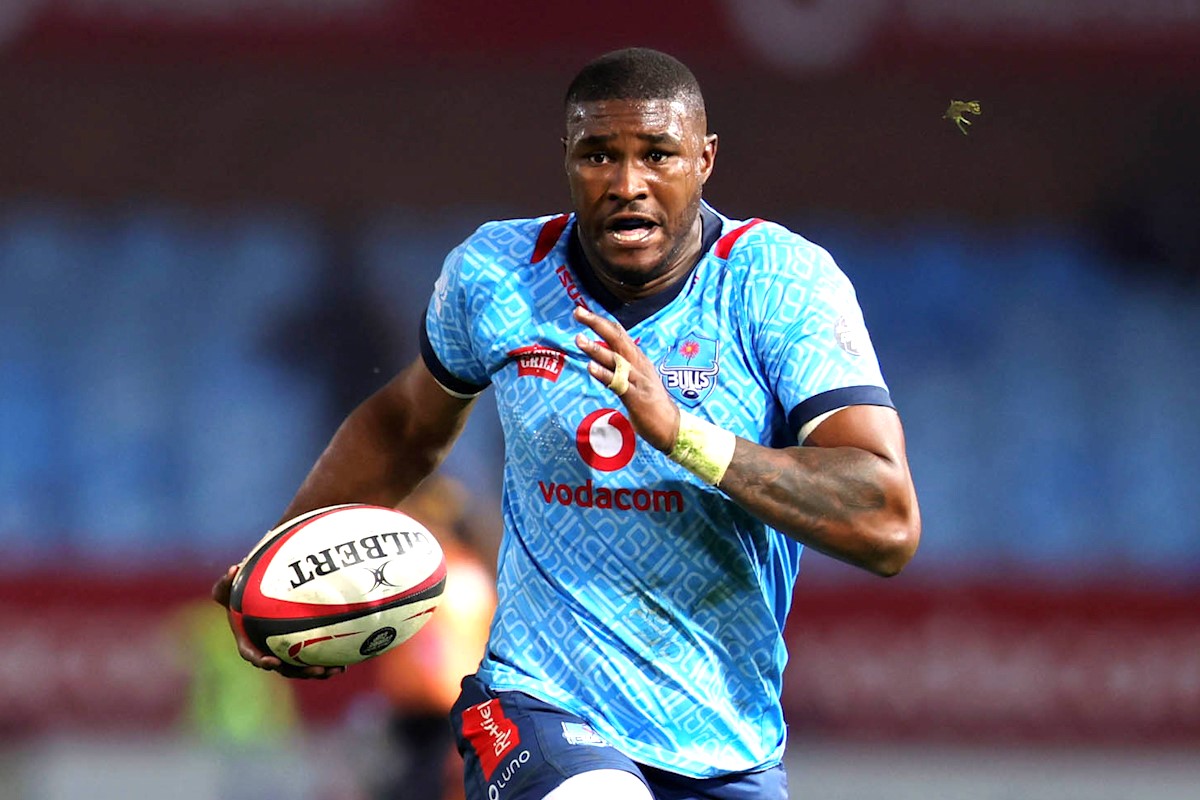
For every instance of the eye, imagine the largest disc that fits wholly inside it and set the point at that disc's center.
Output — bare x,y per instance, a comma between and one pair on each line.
596,158
658,156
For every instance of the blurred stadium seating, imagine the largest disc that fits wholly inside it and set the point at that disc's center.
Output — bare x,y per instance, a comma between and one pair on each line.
145,413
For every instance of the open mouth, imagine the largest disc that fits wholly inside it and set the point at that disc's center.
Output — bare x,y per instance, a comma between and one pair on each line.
630,230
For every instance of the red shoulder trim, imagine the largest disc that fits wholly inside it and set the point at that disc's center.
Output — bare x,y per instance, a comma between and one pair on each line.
548,237
725,243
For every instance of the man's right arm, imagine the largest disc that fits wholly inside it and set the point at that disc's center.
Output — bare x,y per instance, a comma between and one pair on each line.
383,449
386,446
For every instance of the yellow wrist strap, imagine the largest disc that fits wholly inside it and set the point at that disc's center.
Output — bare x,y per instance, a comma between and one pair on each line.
702,448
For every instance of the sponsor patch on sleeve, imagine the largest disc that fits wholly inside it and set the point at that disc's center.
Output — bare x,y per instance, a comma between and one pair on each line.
851,335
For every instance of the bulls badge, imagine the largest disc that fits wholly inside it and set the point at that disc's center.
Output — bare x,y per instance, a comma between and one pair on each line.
690,369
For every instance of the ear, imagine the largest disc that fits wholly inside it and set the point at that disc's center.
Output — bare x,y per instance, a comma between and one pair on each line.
708,157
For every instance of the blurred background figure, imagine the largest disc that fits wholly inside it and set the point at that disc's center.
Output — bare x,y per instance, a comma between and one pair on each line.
206,207
420,679
229,706
341,336
246,715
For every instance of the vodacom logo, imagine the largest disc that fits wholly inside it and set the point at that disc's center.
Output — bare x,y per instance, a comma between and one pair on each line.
605,440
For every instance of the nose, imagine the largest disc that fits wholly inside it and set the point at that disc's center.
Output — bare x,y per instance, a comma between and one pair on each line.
628,182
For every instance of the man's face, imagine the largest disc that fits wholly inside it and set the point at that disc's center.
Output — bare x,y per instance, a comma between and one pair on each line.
636,169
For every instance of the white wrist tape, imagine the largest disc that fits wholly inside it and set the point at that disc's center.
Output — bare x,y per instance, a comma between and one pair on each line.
702,448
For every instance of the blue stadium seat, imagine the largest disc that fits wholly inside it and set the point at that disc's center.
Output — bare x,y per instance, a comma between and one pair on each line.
142,407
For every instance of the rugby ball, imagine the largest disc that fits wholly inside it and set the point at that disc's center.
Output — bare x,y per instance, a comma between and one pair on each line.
338,585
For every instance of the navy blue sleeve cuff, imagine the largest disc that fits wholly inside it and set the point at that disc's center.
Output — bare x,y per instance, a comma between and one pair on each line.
818,404
444,376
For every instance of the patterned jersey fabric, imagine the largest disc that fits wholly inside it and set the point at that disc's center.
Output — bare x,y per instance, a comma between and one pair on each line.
630,593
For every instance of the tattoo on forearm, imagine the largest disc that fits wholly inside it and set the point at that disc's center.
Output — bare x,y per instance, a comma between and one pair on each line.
831,486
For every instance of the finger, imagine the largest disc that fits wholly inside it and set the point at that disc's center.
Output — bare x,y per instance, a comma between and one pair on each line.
604,356
269,663
620,379
273,664
221,589
250,653
609,331
608,367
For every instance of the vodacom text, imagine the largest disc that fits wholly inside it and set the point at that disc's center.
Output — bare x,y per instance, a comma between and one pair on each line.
587,495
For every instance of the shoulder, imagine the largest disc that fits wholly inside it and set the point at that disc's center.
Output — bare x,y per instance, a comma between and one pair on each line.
499,253
767,257
515,242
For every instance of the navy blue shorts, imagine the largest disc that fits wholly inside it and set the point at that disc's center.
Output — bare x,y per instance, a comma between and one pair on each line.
516,747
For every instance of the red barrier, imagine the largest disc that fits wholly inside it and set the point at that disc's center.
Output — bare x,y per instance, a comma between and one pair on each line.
102,652
1108,663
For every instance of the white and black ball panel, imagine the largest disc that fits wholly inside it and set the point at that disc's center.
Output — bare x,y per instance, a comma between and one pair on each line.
349,641
338,585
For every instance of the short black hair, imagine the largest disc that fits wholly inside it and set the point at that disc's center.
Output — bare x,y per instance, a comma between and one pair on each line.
635,73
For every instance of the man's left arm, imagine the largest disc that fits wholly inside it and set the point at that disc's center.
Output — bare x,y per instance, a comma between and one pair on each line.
847,492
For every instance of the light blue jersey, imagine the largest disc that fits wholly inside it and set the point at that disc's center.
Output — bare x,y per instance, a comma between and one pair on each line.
631,594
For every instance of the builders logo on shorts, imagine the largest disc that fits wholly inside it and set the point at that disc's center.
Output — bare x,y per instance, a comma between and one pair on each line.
582,733
690,369
491,734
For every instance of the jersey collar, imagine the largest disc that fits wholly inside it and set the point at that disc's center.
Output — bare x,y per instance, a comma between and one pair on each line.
630,314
